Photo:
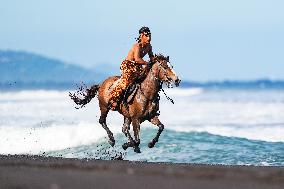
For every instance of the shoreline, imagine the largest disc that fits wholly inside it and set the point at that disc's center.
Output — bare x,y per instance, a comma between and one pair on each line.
23,171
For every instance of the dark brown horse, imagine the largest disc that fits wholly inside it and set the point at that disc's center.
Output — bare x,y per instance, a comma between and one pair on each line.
144,103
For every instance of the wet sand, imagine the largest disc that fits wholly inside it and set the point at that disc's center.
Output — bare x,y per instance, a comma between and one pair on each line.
21,172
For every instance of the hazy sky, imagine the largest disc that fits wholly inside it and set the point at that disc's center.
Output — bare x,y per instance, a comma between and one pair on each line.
205,39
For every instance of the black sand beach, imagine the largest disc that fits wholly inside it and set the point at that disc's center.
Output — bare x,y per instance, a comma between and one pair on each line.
21,172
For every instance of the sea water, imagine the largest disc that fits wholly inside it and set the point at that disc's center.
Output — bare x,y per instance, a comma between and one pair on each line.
211,126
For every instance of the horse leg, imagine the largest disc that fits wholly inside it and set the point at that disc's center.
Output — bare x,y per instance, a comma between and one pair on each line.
102,121
157,122
125,130
131,142
126,125
136,130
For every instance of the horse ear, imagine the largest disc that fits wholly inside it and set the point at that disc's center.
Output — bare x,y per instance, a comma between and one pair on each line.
155,58
168,58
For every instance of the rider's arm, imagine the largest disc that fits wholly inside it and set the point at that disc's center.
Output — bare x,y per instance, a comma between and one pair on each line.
137,57
150,53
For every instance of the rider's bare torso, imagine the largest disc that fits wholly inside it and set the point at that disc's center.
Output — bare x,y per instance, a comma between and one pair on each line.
138,51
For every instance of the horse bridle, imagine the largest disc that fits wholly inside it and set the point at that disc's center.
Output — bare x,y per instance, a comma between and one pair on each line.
164,71
160,83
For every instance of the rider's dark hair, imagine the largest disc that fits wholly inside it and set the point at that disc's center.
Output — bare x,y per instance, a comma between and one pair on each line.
143,29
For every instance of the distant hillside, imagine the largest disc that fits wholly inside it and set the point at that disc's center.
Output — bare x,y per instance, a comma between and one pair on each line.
22,70
28,68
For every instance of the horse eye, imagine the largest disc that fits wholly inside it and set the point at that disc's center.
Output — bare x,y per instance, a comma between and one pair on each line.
165,66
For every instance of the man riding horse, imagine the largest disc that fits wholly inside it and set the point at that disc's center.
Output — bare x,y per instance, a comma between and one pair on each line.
131,68
144,103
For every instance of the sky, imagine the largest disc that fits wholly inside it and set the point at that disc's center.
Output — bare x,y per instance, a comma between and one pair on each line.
206,40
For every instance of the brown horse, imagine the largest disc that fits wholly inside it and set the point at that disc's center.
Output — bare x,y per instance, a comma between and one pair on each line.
144,103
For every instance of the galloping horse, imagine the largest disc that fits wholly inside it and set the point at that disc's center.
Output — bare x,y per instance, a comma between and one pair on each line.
144,103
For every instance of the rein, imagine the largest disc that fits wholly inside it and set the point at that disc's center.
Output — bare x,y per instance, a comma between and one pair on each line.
168,98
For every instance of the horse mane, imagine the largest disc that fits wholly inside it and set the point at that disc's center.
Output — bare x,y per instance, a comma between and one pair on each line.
157,58
161,57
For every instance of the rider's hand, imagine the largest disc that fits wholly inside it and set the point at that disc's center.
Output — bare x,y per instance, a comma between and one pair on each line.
150,63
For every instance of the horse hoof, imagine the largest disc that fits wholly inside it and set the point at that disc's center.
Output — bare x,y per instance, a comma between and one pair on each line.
137,150
111,142
151,145
125,146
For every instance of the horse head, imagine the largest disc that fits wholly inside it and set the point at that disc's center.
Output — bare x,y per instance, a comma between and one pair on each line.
164,70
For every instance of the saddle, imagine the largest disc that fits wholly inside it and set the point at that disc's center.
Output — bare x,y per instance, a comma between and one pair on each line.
129,94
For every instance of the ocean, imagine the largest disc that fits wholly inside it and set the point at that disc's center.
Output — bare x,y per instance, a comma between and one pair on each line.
205,125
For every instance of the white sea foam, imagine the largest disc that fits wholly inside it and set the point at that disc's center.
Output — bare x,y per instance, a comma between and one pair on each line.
33,140
264,133
37,121
31,95
255,121
183,92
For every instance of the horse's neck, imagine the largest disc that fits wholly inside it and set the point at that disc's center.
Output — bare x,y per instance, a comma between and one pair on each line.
150,85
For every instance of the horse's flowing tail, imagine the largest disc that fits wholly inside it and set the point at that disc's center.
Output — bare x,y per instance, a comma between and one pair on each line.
84,95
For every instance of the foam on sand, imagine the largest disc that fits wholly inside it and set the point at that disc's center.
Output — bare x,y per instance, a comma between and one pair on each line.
35,140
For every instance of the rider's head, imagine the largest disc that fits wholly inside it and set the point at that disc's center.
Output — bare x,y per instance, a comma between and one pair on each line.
144,35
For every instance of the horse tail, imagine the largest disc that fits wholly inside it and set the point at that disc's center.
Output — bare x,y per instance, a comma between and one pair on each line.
84,95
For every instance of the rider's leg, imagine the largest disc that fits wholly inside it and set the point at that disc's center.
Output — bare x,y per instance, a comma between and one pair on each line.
115,94
128,75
